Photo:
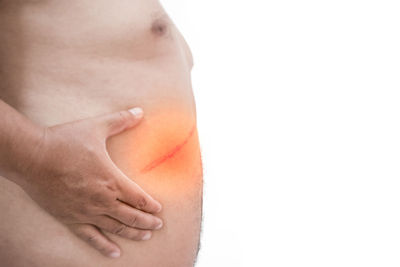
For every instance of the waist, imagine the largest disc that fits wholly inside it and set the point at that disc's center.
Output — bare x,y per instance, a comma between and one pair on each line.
51,104
74,86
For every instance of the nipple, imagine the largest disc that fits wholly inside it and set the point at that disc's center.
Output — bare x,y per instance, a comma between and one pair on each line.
159,27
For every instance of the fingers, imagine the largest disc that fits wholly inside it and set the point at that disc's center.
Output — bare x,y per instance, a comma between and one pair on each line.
134,196
95,238
117,228
136,218
118,122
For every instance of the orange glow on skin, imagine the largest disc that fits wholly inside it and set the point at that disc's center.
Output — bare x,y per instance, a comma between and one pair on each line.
169,154
161,155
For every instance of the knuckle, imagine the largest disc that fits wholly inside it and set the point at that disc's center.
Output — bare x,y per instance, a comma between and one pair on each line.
87,141
89,154
111,185
120,229
84,211
133,220
92,239
98,200
91,148
124,116
93,212
141,202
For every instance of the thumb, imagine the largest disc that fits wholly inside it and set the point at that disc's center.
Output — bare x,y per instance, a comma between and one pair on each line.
118,122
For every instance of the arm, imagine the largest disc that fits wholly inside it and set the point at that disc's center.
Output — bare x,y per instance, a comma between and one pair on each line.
18,141
67,171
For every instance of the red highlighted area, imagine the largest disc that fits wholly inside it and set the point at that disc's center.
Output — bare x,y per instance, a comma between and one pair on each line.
169,153
162,153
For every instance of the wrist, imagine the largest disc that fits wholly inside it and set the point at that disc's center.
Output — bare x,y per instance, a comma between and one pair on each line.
24,156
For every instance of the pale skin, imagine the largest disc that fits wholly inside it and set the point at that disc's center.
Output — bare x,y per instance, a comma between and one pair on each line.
67,66
67,171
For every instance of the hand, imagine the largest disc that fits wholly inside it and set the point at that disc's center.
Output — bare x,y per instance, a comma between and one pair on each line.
75,180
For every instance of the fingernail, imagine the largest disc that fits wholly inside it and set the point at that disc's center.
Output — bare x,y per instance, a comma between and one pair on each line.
115,254
137,112
160,224
159,208
146,236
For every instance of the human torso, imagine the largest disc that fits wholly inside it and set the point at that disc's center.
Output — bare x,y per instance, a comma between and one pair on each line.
66,60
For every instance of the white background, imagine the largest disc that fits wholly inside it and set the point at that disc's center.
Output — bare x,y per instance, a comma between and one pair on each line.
299,112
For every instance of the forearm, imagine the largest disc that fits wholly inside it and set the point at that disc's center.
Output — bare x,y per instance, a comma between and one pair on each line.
19,138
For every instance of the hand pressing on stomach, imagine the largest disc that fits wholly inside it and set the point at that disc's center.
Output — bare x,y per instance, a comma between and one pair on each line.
70,174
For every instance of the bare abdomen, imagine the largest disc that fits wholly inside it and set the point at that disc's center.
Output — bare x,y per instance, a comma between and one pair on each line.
53,75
